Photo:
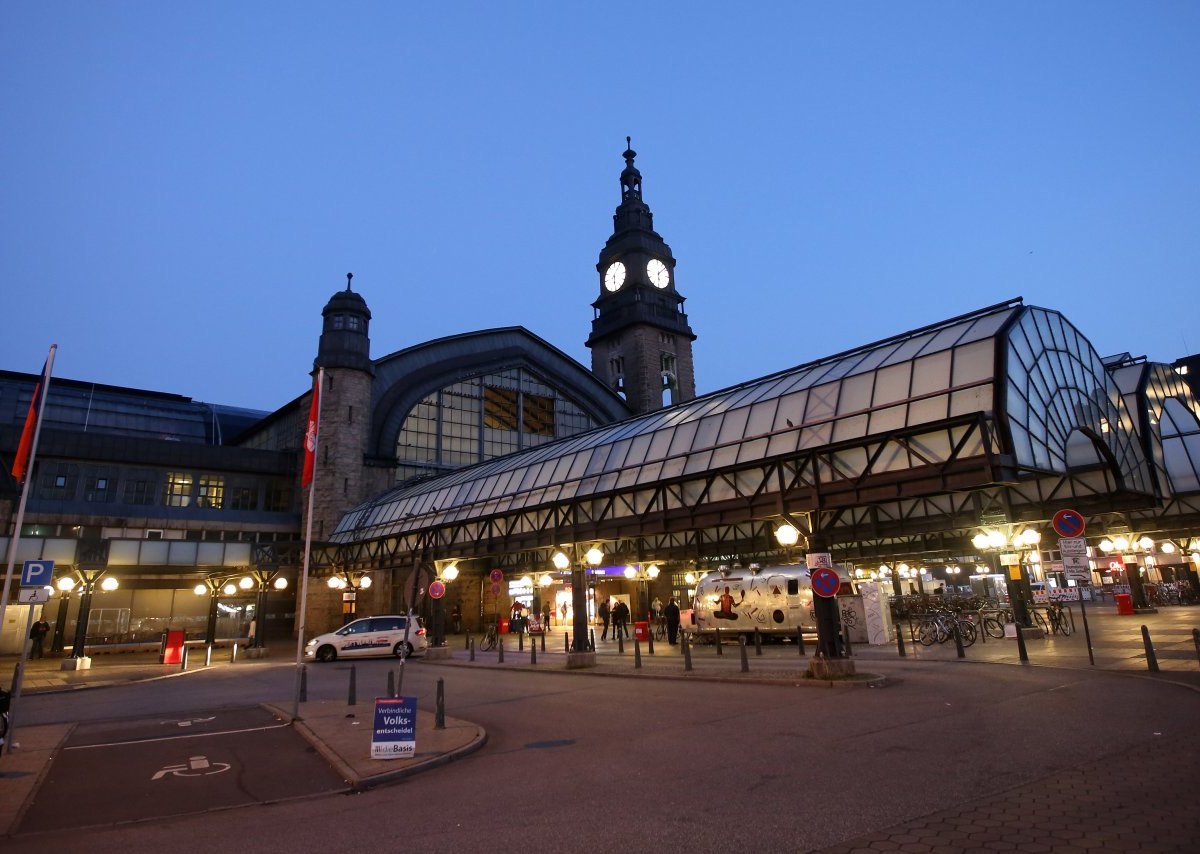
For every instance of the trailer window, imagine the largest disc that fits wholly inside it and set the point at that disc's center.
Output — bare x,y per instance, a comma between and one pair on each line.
793,587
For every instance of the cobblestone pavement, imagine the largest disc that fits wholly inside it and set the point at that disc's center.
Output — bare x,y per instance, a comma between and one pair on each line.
1146,803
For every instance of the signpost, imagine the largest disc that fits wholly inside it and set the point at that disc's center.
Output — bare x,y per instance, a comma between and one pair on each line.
825,582
394,735
1070,525
37,573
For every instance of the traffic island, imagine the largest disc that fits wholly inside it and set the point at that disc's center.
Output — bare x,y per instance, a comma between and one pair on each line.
828,669
437,653
577,660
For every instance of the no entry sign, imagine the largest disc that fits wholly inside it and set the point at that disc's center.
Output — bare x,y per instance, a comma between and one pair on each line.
825,582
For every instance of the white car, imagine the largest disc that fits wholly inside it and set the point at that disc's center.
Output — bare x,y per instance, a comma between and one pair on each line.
369,636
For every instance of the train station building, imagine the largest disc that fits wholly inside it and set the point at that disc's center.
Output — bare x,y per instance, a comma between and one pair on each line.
934,458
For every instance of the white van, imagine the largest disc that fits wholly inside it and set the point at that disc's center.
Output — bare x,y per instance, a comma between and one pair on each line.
369,636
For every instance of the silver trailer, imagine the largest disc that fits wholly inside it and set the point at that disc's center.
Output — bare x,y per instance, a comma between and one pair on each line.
776,600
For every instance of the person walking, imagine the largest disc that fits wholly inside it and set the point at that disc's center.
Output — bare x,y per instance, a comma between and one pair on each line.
671,612
621,619
604,613
37,634
456,618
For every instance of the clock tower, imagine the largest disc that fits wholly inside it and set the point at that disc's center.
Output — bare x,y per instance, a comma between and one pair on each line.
641,343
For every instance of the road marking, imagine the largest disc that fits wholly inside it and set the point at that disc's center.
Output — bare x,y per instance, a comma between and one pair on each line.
189,721
175,737
196,766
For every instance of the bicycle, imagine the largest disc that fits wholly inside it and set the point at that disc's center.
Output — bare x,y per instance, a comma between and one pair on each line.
939,627
490,638
992,622
660,628
1059,619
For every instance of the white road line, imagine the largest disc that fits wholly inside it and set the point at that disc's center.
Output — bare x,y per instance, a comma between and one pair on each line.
175,737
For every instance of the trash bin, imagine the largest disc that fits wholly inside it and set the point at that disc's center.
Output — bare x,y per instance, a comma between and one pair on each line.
1124,604
641,631
504,625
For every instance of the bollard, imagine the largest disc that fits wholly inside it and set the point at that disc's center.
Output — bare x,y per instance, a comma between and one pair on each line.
467,642
472,648
800,640
208,655
1151,658
900,641
718,641
958,645
757,642
567,643
1196,641
391,689
745,660
637,654
592,640
846,641
543,640
233,654
352,699
533,652
687,653
500,646
1022,652
520,641
439,716
650,641
183,658
620,643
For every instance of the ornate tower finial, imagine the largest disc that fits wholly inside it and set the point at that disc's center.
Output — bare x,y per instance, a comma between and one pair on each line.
349,276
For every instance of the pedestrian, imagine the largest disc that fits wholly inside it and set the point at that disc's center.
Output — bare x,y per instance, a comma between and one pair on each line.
620,619
672,615
37,634
546,617
603,613
656,608
456,618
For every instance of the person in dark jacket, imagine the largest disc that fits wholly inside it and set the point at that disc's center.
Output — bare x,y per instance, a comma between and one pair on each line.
671,613
603,613
620,619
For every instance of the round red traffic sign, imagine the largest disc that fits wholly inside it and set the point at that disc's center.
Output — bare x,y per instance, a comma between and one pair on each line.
496,575
1068,523
437,589
825,582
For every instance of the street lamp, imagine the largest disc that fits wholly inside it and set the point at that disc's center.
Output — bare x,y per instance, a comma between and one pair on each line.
580,643
643,576
349,583
65,585
445,575
88,580
991,543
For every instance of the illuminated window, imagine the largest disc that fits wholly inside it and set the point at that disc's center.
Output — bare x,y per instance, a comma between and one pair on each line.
211,491
179,490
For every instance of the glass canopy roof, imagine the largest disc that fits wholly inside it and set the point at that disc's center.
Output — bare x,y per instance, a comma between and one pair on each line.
1028,361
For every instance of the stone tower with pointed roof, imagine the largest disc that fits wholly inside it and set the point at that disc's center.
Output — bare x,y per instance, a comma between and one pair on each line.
641,342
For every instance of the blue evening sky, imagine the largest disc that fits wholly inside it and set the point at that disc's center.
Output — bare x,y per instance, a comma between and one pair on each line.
185,184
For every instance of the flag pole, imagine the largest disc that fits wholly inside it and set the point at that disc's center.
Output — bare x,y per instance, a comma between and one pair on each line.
311,438
13,543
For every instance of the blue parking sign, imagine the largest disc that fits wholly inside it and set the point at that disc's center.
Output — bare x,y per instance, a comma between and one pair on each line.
37,573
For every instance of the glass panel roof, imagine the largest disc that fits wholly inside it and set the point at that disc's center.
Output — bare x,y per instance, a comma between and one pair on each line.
718,425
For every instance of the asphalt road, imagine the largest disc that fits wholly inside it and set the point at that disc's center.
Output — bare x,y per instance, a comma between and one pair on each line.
583,763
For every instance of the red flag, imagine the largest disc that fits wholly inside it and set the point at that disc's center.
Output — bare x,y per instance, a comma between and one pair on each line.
310,434
21,460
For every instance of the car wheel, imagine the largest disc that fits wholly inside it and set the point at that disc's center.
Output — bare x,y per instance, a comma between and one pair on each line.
326,653
402,650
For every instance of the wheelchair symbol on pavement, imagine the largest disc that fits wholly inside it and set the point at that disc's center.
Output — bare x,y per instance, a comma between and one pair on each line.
196,766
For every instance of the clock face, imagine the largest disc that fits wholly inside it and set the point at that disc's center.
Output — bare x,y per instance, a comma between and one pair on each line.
614,276
659,275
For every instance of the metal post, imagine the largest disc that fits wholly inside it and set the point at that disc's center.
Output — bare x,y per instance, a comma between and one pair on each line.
1151,658
958,644
544,631
742,646
567,643
1087,632
637,654
439,716
183,658
592,640
500,646
718,632
579,626
233,653
650,638
620,643
208,656
520,641
687,653
900,641
60,624
471,647
533,651
1022,652
81,620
